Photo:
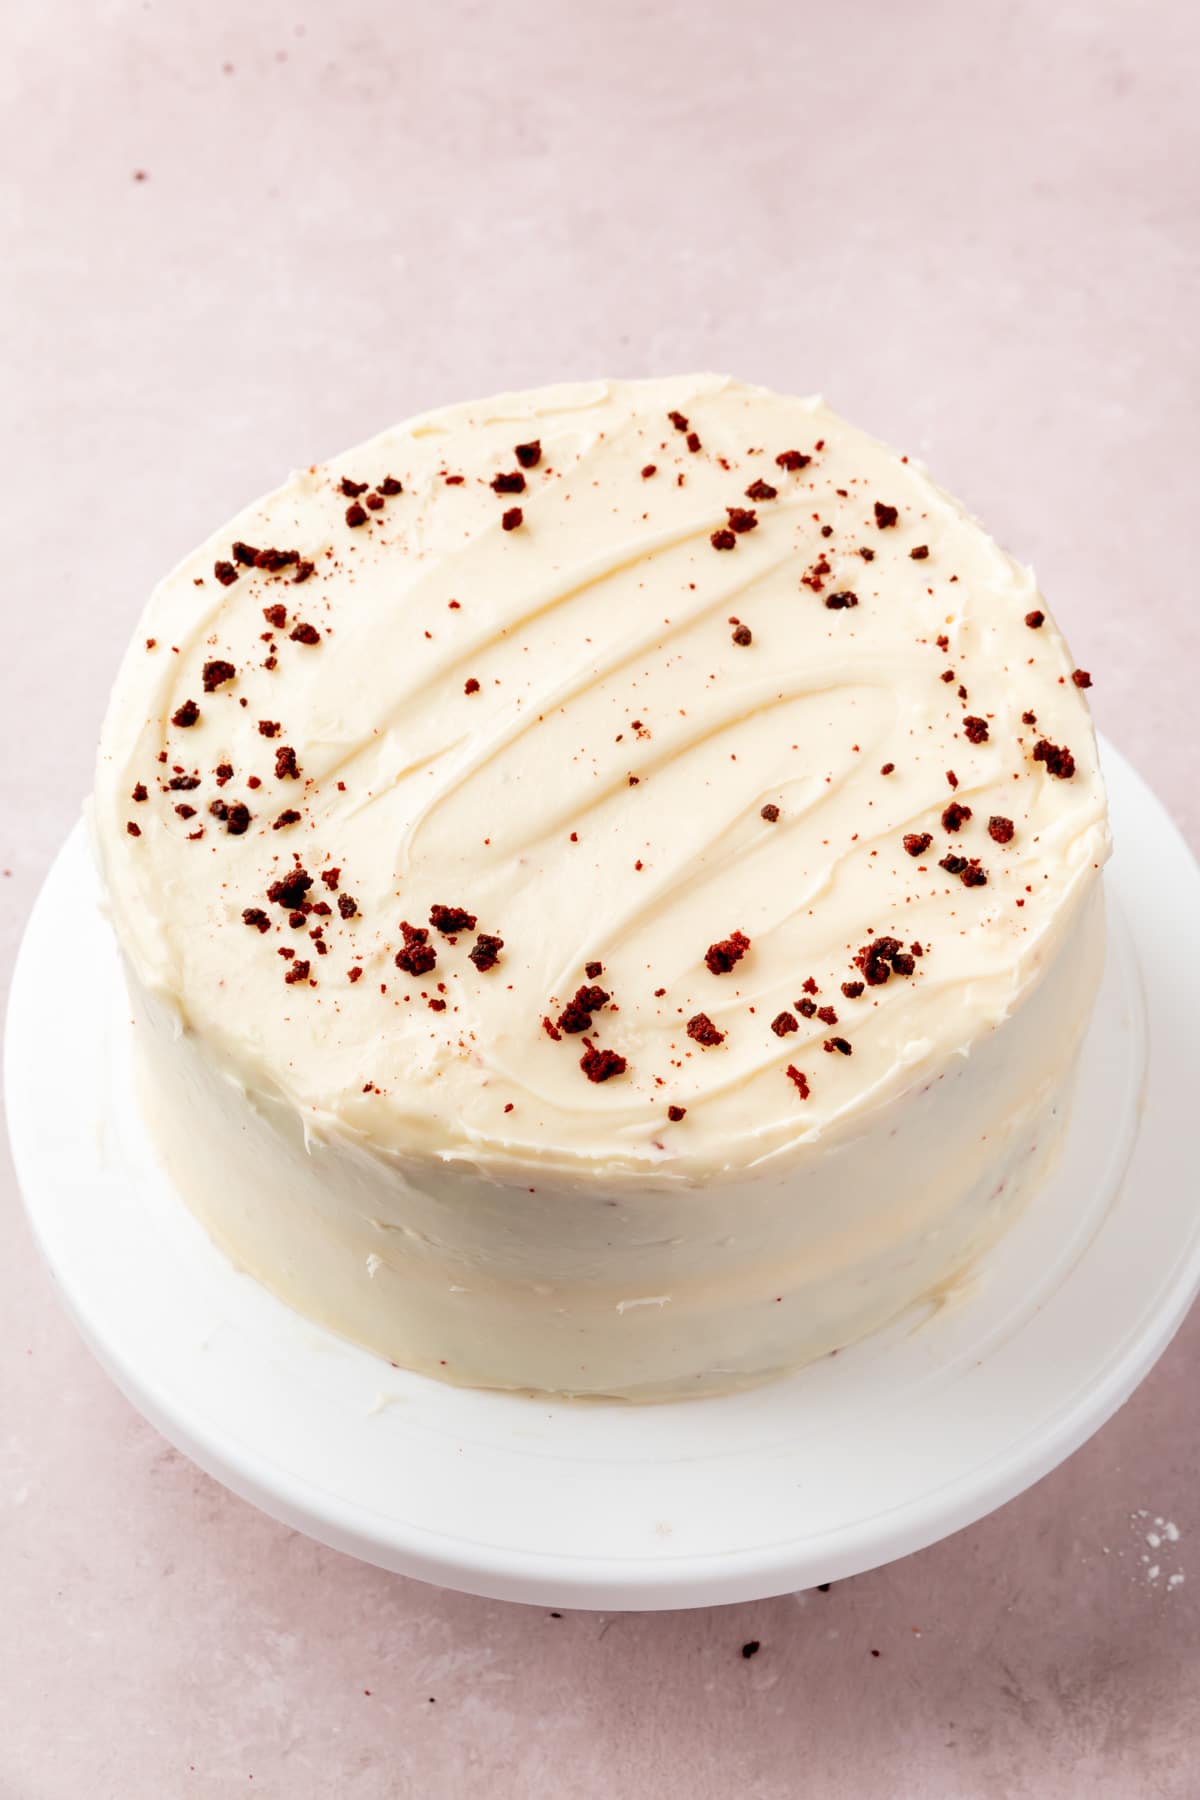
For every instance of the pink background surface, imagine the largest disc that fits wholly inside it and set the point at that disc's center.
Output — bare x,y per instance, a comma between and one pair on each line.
975,230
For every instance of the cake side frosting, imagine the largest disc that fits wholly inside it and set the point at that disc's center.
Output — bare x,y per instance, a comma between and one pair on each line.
739,711
670,1290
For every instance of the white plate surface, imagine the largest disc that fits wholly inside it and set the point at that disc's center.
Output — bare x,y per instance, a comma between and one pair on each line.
866,1456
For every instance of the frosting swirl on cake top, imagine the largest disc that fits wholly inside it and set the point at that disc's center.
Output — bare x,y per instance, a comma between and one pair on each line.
624,777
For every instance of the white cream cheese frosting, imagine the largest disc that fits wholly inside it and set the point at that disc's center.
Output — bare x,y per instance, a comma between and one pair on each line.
773,778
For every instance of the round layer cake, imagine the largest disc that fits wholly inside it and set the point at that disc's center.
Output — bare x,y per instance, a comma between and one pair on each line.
609,883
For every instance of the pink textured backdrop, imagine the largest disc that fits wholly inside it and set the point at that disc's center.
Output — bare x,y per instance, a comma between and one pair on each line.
975,230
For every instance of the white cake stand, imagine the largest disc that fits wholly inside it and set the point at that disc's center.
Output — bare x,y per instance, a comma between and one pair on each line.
862,1458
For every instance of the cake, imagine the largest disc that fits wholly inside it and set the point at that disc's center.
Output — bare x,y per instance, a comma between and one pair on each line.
609,884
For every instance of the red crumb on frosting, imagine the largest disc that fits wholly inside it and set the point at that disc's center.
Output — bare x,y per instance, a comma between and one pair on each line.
290,889
701,1030
721,956
451,919
881,958
814,578
1057,758
417,956
601,1065
576,1016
